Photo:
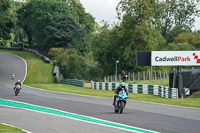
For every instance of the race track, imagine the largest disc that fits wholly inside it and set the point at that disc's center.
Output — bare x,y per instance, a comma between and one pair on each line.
155,117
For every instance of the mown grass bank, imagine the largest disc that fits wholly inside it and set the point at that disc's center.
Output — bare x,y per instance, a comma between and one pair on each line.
40,76
9,129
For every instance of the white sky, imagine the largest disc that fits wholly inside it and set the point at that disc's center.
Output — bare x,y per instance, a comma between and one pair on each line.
106,10
101,9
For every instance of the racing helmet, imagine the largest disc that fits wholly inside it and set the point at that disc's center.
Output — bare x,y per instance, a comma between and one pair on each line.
122,85
18,81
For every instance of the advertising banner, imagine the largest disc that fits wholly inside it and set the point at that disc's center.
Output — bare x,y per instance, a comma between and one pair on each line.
175,58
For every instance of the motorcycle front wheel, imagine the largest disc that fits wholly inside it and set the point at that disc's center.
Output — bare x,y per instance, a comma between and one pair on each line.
121,106
16,92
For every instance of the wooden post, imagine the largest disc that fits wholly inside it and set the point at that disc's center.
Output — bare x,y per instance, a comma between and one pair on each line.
133,76
160,75
138,75
167,74
129,76
149,75
163,75
143,75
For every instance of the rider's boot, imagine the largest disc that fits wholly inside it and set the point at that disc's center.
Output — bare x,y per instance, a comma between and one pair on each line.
114,100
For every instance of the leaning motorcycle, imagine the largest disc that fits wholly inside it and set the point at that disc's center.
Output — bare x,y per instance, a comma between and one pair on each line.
17,89
120,102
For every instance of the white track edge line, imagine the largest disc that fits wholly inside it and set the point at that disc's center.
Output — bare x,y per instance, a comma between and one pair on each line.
80,115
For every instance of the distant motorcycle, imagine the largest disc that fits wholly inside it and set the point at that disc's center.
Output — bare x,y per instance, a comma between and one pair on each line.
120,102
13,76
17,89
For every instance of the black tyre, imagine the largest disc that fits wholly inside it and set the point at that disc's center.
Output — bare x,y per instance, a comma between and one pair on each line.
16,92
116,110
121,107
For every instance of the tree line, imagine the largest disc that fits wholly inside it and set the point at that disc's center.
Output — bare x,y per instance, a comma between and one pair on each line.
83,49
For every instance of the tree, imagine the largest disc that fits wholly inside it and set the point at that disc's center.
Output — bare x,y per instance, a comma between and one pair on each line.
6,23
36,14
177,16
138,28
85,20
74,64
189,38
107,48
179,47
66,33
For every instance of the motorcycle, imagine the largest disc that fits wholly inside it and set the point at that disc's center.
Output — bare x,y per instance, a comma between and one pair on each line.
120,102
13,76
17,89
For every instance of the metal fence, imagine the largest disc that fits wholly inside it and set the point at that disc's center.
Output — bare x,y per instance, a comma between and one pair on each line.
145,75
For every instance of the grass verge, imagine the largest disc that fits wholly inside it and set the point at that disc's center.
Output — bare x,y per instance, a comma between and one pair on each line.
9,129
162,82
39,76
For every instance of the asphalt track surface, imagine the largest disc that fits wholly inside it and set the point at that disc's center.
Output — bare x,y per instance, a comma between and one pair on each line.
156,117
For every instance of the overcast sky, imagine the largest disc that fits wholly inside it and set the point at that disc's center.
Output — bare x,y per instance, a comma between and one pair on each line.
105,10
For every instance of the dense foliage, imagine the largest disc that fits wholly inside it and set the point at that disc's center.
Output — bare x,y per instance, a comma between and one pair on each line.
6,23
63,30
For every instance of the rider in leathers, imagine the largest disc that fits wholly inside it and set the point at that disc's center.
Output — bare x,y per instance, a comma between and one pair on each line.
118,89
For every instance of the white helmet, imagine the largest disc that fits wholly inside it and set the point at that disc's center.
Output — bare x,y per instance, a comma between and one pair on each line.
18,81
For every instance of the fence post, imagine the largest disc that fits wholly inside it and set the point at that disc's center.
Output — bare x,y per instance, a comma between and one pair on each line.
167,74
138,75
133,76
163,74
160,75
143,75
129,76
149,75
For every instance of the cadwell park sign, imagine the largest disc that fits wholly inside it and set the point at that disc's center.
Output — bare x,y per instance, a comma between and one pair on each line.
175,58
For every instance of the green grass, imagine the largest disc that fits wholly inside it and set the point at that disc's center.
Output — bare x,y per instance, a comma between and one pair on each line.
8,129
162,82
40,76
37,70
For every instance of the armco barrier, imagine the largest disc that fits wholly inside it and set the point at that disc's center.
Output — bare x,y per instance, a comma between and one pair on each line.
76,82
157,90
44,58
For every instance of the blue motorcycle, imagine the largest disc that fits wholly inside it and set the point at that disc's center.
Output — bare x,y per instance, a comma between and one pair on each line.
120,102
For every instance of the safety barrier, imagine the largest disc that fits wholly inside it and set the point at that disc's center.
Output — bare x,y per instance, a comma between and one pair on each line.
157,90
74,82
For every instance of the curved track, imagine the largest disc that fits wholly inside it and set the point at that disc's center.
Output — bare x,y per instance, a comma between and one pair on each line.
157,117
